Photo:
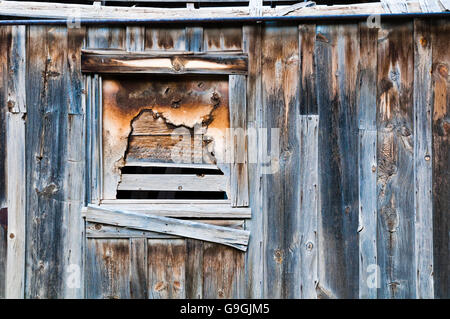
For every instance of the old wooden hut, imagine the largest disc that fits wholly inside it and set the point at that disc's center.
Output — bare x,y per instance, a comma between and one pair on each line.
280,150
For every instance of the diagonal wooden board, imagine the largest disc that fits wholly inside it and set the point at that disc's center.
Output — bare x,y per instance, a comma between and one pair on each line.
235,238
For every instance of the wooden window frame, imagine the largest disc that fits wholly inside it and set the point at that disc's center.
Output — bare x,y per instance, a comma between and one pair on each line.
96,63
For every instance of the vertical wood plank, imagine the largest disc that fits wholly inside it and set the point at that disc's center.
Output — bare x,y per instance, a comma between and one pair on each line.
223,272
336,61
15,162
238,140
305,249
222,39
395,150
108,268
74,166
422,159
367,106
135,39
166,268
165,38
441,157
4,34
280,189
254,264
138,268
308,97
105,38
194,269
194,39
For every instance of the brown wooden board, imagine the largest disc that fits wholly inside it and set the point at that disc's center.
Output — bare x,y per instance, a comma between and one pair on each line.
161,63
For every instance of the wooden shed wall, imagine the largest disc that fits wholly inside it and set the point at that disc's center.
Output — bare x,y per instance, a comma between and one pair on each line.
362,175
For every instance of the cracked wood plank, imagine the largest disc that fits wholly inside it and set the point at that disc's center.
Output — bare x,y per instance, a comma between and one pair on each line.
169,64
222,235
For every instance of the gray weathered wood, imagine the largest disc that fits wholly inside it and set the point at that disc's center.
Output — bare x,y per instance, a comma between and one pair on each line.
160,63
181,209
254,264
430,5
367,107
445,4
280,182
336,62
173,182
222,235
305,249
238,141
395,157
16,166
423,172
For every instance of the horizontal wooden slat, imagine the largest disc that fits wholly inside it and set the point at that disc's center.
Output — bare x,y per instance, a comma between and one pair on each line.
222,235
173,182
163,63
96,230
172,165
60,10
182,210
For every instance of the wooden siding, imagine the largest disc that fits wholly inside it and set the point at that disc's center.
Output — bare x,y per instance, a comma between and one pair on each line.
360,183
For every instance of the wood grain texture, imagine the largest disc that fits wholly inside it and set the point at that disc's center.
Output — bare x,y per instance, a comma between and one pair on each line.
166,268
441,157
108,269
223,272
223,235
367,150
305,250
308,96
222,39
15,161
168,64
254,263
336,61
281,192
395,150
423,172
183,209
165,39
4,43
173,182
238,141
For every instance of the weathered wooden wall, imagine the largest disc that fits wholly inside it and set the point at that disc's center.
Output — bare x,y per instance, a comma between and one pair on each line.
361,177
